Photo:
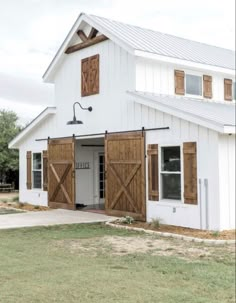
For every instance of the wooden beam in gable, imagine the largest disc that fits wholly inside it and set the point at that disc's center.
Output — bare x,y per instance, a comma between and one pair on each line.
89,42
82,35
93,33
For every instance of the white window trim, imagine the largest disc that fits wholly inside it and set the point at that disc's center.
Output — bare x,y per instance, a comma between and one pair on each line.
193,73
233,90
32,174
168,201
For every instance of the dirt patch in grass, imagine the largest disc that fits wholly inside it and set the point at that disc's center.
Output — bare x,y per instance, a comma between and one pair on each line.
22,206
122,245
197,233
8,211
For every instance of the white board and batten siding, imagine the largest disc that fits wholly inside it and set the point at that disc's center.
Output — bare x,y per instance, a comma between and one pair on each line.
158,77
227,181
176,212
32,196
114,110
109,106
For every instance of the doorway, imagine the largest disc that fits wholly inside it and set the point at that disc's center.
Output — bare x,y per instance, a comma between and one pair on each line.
101,179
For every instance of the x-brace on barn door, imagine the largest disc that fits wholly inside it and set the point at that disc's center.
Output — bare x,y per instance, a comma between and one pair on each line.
61,173
125,175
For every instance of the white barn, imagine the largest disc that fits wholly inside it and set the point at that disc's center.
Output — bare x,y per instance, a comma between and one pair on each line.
160,139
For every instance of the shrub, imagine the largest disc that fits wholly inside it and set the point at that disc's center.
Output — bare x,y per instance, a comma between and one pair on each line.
15,199
156,223
215,234
126,220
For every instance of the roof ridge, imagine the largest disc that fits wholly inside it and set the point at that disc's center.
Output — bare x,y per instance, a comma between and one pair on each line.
165,34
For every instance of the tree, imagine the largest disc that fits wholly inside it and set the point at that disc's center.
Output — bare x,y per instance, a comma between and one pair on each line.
9,158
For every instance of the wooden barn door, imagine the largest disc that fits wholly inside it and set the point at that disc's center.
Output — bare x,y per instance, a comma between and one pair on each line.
61,173
125,175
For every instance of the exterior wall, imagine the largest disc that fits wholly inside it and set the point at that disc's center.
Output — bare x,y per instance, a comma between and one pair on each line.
33,196
113,110
158,77
227,181
178,213
109,106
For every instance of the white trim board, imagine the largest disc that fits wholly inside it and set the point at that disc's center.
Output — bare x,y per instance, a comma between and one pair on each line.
41,117
180,113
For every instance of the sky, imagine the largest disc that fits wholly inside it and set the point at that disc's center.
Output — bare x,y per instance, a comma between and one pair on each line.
31,31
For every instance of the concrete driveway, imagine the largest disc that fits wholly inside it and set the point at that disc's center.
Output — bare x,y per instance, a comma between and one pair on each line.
52,217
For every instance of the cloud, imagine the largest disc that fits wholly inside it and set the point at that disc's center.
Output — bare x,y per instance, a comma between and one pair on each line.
26,112
25,90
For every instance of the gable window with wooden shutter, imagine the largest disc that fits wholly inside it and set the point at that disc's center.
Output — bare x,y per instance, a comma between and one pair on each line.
153,177
90,76
193,84
228,96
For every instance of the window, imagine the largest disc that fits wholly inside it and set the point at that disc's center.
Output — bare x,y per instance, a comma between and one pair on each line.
234,91
37,170
90,76
171,172
193,85
101,176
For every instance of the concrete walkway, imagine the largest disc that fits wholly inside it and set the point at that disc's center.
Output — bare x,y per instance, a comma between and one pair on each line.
52,217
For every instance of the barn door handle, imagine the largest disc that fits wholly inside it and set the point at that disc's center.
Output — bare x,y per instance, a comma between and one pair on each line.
73,173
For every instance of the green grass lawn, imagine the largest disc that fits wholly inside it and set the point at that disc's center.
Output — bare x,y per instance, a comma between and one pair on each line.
95,263
8,211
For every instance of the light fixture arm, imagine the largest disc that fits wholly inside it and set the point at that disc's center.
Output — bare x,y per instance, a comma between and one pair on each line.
74,121
84,108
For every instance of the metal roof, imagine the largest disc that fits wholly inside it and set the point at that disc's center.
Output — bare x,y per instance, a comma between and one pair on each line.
218,113
167,45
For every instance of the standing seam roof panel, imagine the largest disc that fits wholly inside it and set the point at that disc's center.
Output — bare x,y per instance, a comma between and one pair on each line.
167,45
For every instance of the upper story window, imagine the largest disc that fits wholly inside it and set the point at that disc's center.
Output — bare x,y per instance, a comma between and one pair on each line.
234,91
37,170
229,90
193,84
90,76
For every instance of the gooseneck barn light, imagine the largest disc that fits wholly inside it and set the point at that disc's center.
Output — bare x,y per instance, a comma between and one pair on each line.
75,121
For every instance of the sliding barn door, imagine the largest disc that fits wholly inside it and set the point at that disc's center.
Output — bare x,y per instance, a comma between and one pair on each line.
61,173
125,175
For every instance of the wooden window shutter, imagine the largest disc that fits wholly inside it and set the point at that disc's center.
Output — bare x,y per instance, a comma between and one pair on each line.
153,184
28,170
45,170
90,76
207,86
228,89
179,82
85,77
190,172
94,75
